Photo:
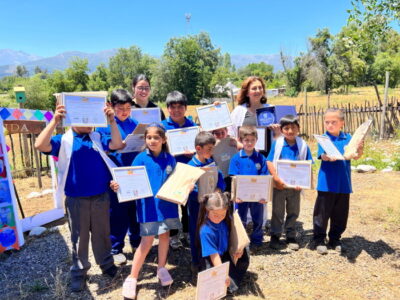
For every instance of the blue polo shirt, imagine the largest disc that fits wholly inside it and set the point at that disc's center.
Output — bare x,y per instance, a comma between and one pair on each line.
288,152
152,209
241,164
197,163
335,176
125,127
213,238
168,125
88,174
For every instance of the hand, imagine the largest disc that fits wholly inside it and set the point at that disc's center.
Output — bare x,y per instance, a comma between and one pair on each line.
297,188
114,186
227,281
237,200
216,103
279,184
238,255
325,157
276,128
59,114
109,112
262,201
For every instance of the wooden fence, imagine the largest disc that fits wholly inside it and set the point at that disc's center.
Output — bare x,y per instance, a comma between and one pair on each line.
312,118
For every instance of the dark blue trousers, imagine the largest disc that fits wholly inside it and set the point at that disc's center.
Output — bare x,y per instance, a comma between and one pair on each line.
193,212
123,220
257,216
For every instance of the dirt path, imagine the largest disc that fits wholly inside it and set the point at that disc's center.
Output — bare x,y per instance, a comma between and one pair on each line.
370,268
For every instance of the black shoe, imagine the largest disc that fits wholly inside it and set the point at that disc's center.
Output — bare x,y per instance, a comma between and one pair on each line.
111,271
78,283
336,245
274,242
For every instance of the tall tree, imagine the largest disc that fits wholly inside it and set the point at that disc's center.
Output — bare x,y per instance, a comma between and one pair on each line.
76,73
21,71
99,79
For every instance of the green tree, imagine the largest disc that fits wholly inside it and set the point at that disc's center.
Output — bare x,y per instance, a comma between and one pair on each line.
99,79
387,62
77,75
21,71
260,69
59,82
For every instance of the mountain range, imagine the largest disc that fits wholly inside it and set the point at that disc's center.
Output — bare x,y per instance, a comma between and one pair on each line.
10,59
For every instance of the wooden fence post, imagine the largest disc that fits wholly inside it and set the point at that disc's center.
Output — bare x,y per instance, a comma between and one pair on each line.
381,134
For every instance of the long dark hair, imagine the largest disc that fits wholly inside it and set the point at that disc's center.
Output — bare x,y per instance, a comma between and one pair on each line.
160,131
216,200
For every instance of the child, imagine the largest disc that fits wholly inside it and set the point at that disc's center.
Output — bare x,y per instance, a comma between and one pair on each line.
290,147
204,144
156,216
177,106
213,229
334,186
84,177
122,215
250,162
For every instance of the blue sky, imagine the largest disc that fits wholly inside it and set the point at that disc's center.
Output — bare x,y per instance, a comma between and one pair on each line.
46,28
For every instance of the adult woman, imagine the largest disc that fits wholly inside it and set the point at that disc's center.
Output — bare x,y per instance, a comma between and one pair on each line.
251,97
141,92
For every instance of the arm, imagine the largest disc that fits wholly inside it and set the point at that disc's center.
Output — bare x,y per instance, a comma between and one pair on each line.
116,140
279,184
43,140
215,259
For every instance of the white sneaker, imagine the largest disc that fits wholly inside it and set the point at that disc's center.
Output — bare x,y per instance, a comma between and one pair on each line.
129,288
175,242
119,259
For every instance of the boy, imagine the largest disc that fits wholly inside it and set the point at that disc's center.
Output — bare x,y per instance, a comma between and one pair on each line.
204,144
334,186
177,106
248,161
122,215
84,177
289,147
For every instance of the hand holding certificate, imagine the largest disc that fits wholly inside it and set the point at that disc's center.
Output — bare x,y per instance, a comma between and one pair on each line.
181,141
211,283
213,117
133,143
295,173
133,183
329,147
84,110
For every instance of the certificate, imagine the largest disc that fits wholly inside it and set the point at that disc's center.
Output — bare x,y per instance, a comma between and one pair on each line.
359,135
146,115
328,147
295,173
133,183
262,139
84,111
213,117
253,188
211,283
223,152
181,141
177,187
133,143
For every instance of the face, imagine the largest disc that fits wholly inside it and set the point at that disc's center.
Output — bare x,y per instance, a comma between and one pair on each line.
290,131
220,133
333,123
206,151
142,90
122,111
82,130
255,91
216,215
153,140
249,143
177,112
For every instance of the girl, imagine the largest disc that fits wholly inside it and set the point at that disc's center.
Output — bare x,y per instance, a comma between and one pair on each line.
156,217
214,224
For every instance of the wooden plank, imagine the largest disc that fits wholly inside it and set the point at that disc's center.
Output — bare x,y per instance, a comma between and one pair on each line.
23,126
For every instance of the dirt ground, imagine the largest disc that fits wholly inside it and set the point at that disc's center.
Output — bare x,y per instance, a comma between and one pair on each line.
369,269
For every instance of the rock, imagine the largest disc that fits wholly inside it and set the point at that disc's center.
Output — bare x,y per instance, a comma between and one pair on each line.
386,160
353,168
388,169
47,191
36,231
365,169
34,195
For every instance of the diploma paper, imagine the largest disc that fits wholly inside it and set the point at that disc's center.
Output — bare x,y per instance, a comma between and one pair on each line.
295,173
262,139
181,141
84,111
133,183
223,152
146,115
208,181
134,143
328,147
211,283
359,135
255,188
238,238
213,117
177,187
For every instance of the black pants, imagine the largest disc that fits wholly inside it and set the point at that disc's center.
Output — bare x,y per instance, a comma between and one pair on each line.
236,272
333,207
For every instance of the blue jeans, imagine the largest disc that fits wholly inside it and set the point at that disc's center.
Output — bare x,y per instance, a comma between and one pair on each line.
257,215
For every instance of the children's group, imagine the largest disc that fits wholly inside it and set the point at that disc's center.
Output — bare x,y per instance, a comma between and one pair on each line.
204,223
